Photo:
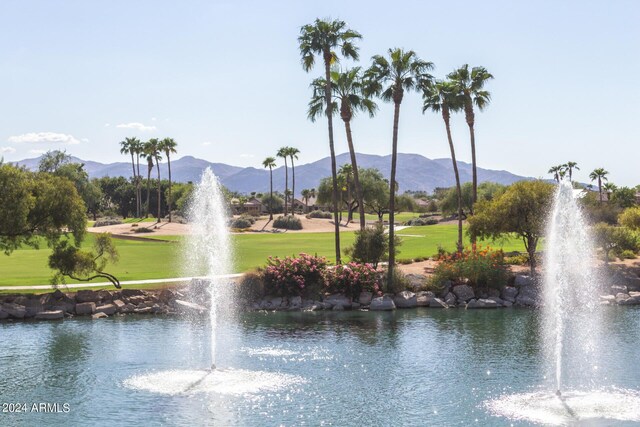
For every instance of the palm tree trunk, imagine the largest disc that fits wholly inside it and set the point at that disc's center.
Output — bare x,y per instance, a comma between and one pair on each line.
159,188
445,116
293,187
392,196
270,193
149,169
600,188
138,189
356,177
135,180
334,170
169,199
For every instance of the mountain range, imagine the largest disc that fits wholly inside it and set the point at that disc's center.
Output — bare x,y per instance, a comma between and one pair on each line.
414,172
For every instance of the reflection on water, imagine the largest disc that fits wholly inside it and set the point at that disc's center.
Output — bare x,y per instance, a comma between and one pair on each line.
415,367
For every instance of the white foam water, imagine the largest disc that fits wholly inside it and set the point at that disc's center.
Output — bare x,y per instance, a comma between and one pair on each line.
219,381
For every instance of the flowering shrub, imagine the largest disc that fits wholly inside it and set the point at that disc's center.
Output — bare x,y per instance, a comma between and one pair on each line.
292,276
353,278
482,267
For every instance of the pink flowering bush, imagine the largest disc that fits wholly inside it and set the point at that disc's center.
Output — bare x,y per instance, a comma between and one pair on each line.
353,278
293,276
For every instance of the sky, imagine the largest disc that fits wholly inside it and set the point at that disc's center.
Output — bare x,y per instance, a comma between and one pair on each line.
223,78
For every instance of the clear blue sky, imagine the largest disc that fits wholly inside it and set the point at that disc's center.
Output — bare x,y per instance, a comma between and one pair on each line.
224,79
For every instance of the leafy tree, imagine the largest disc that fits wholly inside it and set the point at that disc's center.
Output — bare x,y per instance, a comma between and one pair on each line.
406,203
470,84
84,266
630,218
168,146
624,197
270,162
181,193
273,202
616,239
443,97
38,204
90,193
52,160
600,175
449,200
521,209
389,78
324,38
375,191
371,245
348,92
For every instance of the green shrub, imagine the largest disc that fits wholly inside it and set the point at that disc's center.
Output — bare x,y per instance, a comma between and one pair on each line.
404,261
241,223
371,245
143,230
483,267
630,218
399,282
251,286
294,276
288,222
353,278
627,254
320,214
517,259
616,239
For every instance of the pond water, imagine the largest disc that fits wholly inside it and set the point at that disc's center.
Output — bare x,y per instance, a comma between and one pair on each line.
413,367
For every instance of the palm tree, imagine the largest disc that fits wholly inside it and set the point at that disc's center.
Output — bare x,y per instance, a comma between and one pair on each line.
147,152
293,154
470,84
555,171
284,153
168,146
152,149
323,38
306,195
138,150
570,166
443,97
270,162
600,175
348,90
130,146
389,79
609,188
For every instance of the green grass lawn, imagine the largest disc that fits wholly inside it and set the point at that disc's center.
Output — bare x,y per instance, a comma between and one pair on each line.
151,259
399,217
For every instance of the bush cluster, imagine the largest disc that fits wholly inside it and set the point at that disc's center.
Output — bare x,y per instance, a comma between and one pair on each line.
294,276
371,245
288,222
517,259
243,221
482,267
421,221
353,278
319,214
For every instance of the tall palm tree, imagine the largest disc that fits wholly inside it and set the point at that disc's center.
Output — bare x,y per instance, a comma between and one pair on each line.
147,153
470,84
284,153
348,91
138,150
131,146
152,148
600,175
555,171
389,78
168,146
443,97
570,166
270,162
324,38
293,154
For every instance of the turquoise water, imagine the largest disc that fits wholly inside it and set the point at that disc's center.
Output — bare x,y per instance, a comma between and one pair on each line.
413,367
